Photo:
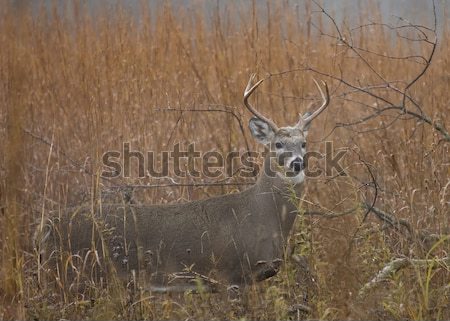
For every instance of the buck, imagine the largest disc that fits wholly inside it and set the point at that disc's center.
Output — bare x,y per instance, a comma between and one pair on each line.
231,239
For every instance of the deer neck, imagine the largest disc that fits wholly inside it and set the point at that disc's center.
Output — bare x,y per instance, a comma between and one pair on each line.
271,181
278,195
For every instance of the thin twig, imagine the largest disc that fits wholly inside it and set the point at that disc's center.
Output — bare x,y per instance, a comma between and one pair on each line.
400,263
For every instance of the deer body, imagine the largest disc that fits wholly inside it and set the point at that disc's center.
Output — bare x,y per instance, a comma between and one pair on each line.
234,238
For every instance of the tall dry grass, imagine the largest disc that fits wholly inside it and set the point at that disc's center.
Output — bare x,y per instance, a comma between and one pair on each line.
74,86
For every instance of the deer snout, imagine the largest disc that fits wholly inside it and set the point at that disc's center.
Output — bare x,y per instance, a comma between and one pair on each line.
297,165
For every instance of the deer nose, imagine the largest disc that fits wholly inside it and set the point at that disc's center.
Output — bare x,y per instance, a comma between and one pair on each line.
297,164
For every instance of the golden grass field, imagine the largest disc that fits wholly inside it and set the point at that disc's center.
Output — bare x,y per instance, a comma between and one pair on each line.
74,85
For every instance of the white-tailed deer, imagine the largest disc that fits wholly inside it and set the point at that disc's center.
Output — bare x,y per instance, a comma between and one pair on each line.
235,238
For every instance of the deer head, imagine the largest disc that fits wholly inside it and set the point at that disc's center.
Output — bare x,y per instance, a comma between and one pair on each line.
288,144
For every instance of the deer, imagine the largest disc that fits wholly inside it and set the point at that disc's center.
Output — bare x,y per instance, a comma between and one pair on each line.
233,239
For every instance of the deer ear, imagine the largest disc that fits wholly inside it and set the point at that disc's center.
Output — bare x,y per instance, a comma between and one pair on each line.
261,131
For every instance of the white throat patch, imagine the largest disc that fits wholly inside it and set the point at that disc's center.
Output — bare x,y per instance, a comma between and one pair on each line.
295,180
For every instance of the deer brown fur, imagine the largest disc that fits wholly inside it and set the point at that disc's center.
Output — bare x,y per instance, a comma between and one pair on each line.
236,238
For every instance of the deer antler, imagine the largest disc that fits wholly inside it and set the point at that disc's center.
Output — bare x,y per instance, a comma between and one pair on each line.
325,99
247,93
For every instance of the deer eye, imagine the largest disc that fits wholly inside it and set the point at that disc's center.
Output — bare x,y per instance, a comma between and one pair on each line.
278,145
303,145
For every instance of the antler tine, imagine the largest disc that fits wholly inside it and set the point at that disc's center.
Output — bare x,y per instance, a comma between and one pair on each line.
247,93
325,99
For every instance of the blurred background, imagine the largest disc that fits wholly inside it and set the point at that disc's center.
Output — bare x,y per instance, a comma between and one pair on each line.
81,78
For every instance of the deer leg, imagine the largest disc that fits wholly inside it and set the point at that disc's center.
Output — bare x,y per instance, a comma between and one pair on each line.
267,269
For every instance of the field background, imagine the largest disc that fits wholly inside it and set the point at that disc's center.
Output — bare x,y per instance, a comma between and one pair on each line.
74,85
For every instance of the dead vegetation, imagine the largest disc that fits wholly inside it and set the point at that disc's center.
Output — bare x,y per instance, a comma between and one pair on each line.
74,85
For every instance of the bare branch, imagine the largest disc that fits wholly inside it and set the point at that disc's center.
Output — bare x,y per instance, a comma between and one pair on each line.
123,187
404,92
400,263
388,218
226,109
331,214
